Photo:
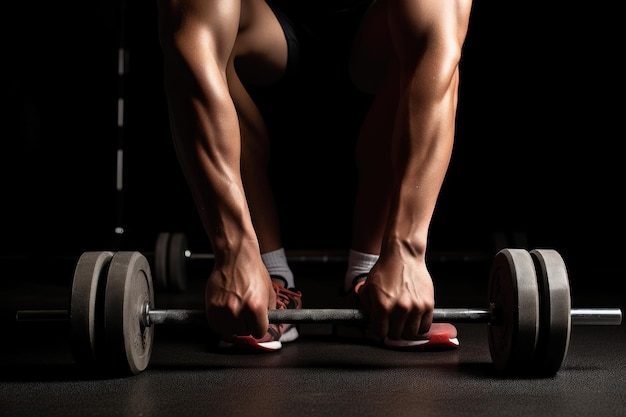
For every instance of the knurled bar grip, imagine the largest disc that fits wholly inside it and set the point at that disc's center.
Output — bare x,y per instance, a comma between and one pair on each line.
319,316
595,316
579,316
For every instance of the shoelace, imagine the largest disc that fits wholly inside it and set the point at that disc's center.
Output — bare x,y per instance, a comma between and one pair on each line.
284,296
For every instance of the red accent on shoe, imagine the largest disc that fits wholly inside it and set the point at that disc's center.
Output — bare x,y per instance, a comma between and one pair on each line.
441,336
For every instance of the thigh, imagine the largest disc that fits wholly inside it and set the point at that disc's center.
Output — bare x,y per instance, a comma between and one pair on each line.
400,31
261,52
371,49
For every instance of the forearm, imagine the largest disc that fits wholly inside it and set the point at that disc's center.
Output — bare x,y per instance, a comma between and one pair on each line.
206,137
426,115
421,151
197,40
209,155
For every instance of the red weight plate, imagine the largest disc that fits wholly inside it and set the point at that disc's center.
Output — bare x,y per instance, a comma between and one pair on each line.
85,306
128,291
514,295
554,312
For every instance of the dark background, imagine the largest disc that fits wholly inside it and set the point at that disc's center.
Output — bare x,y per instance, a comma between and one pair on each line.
538,148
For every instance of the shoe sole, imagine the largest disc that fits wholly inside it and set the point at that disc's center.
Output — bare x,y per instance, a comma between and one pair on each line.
249,343
437,341
443,338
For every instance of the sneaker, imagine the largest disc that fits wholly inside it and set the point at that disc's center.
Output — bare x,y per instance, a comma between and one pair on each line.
441,336
277,334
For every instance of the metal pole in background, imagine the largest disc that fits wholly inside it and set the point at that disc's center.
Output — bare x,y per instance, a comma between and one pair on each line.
122,67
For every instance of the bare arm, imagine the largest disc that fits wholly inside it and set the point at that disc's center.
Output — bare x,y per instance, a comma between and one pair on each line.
427,38
197,39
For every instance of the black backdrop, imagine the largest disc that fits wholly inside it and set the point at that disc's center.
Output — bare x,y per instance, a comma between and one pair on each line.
540,123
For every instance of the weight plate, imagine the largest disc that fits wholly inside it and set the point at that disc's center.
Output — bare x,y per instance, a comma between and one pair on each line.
86,306
160,260
128,290
554,312
177,262
514,296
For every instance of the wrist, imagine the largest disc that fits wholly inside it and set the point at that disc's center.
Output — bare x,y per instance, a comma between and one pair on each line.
412,246
230,245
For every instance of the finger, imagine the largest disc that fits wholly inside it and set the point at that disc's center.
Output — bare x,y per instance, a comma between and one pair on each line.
412,325
257,324
257,330
397,323
252,320
426,322
417,325
220,324
379,321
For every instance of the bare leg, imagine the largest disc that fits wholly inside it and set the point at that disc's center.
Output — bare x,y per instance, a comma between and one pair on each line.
265,66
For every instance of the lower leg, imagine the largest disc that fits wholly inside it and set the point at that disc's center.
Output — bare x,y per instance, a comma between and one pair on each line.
373,192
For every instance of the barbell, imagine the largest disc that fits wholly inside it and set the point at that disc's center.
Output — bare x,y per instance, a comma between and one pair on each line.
529,316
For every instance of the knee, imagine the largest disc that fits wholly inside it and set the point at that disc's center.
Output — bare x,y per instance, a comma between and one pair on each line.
428,39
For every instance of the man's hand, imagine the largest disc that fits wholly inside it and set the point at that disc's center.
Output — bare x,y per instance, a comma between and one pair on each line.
238,296
398,297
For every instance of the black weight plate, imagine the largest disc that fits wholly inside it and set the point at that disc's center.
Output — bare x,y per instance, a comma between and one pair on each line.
514,295
86,305
554,312
161,258
177,262
128,291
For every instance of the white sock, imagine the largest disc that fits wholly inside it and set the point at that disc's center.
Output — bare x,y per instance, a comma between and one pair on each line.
358,263
276,264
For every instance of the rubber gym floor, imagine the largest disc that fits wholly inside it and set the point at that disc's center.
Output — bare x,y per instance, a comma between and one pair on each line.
319,374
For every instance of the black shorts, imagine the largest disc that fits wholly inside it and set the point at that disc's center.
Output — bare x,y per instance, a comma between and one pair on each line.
319,33
319,37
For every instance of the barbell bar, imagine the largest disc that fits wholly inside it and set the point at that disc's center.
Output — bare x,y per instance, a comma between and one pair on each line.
172,253
149,317
529,318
